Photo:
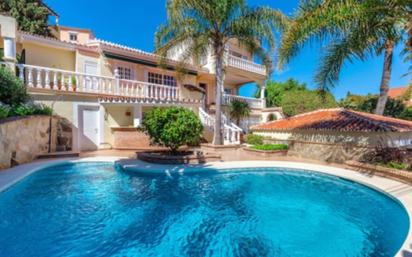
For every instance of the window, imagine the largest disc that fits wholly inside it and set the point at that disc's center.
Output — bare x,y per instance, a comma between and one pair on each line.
161,79
237,54
125,73
228,91
73,36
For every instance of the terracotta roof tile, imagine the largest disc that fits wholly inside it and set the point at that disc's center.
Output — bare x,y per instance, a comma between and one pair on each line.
397,92
338,119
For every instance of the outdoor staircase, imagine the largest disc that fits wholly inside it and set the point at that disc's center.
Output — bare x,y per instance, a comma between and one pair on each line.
231,132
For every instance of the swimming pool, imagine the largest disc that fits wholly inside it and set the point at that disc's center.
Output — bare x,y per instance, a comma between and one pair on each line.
92,209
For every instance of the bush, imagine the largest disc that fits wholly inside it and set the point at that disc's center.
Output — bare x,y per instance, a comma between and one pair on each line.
12,90
406,114
393,108
172,127
4,111
30,109
272,117
254,139
271,147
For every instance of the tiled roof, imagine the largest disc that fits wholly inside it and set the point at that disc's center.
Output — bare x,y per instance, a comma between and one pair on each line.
338,119
397,92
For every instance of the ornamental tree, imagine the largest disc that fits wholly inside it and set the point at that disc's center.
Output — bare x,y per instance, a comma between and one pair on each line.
172,127
31,15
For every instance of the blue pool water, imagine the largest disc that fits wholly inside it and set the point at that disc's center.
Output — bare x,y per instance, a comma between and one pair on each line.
94,210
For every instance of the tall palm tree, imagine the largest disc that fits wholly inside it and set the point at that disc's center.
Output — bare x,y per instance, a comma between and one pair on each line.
238,110
353,29
201,26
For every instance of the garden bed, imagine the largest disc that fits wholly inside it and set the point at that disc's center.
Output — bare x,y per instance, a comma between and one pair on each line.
265,153
403,175
182,157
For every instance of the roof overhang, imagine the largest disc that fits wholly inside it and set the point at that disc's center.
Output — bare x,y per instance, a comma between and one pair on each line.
145,61
52,42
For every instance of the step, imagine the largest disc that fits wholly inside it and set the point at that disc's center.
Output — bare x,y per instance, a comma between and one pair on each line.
67,154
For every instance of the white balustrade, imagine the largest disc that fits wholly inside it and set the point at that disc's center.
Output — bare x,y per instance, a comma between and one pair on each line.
254,103
247,65
63,80
231,132
139,89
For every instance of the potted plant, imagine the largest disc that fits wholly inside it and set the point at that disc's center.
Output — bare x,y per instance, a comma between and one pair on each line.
74,83
59,81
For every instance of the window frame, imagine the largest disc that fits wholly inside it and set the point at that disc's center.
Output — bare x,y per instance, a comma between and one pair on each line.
158,78
121,71
75,34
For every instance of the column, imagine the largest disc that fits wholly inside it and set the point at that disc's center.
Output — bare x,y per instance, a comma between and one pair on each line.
137,115
262,93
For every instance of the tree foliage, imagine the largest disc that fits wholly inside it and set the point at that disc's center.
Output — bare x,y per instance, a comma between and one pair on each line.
394,107
172,127
351,29
295,98
12,90
301,101
30,15
275,91
238,110
200,28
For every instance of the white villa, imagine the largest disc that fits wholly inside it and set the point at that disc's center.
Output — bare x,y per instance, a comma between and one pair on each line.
103,88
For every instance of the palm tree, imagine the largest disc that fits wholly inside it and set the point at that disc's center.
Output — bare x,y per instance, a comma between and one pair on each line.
353,29
207,26
238,110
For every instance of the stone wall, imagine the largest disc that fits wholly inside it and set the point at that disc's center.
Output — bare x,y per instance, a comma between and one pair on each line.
334,146
22,139
337,153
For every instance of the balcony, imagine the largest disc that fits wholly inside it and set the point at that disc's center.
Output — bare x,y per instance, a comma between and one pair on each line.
246,65
254,103
110,89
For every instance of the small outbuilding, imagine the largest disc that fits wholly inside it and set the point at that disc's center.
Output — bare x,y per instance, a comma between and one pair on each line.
336,134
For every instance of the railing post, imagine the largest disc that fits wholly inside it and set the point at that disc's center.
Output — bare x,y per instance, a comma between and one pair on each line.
30,77
38,78
47,79
21,71
117,81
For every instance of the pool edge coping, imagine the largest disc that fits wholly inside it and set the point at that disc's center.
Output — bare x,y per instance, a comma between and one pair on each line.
397,189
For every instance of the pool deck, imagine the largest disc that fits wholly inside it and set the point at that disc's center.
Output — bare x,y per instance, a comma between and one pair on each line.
397,189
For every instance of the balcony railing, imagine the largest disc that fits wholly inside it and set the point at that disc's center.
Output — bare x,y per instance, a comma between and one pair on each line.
247,65
37,77
254,103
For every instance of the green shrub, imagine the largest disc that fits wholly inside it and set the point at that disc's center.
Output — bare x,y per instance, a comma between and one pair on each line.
270,147
272,117
397,165
254,139
406,114
12,90
4,111
172,127
30,109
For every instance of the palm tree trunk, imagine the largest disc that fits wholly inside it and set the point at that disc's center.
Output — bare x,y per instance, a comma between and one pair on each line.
386,77
217,135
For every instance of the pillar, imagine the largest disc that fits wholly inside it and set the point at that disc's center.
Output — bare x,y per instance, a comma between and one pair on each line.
262,93
137,115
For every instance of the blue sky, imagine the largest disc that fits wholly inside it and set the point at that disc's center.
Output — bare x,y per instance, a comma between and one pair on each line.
133,23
